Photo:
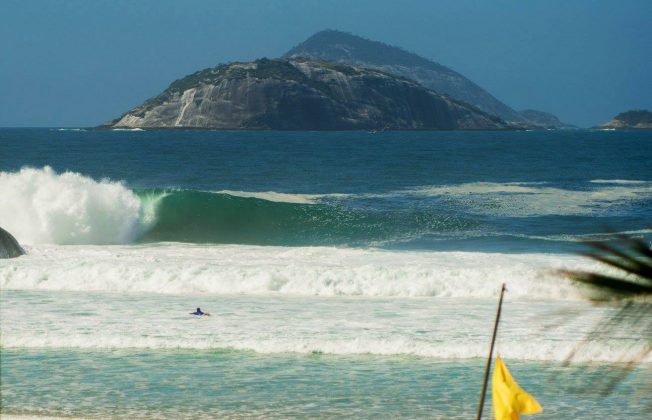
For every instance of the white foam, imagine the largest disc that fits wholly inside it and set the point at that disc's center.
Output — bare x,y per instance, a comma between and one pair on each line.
539,350
522,199
512,199
41,206
28,417
286,197
275,196
309,271
478,188
297,300
619,181
444,328
572,238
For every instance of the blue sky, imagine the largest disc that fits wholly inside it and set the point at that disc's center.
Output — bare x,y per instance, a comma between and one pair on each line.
79,63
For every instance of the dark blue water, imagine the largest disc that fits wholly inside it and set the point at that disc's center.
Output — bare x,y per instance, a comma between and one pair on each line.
507,191
327,162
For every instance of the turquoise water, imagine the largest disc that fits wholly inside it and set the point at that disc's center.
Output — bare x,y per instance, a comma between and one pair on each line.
347,274
218,384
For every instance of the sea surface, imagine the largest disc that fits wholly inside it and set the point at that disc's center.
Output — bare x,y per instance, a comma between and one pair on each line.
346,273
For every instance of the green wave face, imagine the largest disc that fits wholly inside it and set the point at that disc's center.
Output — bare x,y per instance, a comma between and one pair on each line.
205,217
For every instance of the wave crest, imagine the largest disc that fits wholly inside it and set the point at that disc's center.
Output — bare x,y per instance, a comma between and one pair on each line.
42,206
205,217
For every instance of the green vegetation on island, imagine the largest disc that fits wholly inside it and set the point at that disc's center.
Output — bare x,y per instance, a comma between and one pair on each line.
634,119
638,116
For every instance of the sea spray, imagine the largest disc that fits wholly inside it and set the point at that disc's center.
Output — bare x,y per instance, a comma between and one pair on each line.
42,206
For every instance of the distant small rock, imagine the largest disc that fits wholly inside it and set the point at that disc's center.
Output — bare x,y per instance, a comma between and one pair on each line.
639,119
544,119
9,246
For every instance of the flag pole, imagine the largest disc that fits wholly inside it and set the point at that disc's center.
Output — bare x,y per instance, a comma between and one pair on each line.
491,352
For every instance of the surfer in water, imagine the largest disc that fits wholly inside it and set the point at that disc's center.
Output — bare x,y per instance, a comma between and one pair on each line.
199,312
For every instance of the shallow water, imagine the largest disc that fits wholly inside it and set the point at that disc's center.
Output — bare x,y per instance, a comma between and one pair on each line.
441,328
226,384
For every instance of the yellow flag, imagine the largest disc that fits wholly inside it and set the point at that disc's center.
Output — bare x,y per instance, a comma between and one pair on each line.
509,399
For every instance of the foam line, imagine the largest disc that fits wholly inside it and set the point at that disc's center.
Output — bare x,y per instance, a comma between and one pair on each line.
301,271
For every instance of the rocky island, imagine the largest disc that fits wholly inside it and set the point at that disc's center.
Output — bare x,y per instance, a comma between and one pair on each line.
636,119
303,94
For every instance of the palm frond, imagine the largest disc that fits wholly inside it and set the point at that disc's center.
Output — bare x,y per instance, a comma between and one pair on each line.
614,286
630,255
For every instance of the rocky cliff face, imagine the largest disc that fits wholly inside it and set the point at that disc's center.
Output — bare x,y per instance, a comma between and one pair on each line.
637,119
346,48
302,94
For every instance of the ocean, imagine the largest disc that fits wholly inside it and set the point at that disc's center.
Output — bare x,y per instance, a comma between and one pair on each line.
346,273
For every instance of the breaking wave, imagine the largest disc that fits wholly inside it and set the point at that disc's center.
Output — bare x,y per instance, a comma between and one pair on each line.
41,206
204,217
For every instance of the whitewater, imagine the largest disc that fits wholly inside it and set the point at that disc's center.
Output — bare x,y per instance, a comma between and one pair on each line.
345,273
